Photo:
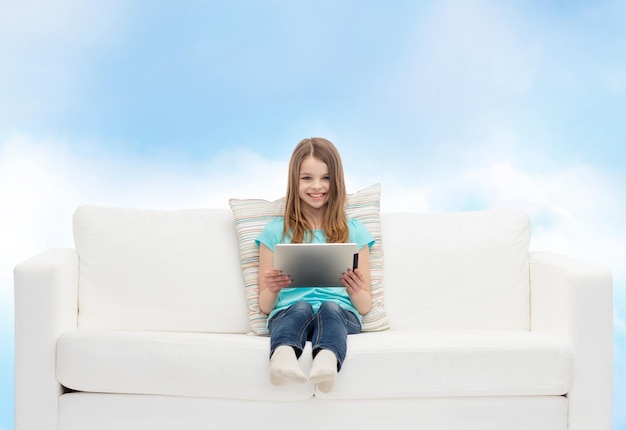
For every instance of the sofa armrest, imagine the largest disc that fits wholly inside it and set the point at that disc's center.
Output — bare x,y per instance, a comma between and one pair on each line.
573,299
46,304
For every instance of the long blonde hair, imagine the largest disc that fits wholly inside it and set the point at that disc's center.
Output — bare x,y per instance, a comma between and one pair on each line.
334,222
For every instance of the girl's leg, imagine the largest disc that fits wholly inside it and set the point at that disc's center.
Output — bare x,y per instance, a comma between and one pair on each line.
330,336
288,334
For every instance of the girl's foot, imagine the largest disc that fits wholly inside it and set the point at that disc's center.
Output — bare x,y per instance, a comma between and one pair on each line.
284,366
324,370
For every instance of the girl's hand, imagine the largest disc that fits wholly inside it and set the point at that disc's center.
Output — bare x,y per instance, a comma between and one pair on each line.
353,280
275,280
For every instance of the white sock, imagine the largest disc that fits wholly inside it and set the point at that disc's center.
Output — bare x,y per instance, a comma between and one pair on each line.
324,370
284,366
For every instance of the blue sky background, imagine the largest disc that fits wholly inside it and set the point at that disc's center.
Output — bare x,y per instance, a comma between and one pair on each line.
451,105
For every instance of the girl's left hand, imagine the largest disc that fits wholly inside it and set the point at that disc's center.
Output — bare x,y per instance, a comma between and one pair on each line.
353,280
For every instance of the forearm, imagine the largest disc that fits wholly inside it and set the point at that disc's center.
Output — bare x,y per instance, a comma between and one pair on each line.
362,301
267,301
267,297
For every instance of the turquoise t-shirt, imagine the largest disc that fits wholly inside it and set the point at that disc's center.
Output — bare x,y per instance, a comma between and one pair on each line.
273,234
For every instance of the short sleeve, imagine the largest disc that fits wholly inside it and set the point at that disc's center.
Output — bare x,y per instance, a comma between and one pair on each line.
359,234
271,234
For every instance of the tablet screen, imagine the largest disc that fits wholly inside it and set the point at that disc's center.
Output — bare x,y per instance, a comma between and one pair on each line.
315,264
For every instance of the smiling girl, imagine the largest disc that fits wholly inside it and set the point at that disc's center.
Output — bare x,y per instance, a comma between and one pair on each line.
314,212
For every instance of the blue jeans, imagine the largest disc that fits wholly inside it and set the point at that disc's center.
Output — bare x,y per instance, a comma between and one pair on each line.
327,329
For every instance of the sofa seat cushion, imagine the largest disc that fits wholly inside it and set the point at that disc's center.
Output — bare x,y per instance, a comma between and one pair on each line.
225,366
392,364
400,364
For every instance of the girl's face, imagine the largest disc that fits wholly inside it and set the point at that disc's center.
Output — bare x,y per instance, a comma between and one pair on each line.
313,184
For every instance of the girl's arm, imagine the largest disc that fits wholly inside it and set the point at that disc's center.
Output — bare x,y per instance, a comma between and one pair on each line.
358,283
270,281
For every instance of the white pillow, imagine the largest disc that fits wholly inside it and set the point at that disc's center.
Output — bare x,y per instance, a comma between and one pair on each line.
251,216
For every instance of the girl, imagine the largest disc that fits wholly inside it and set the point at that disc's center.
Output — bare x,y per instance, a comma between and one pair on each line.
314,212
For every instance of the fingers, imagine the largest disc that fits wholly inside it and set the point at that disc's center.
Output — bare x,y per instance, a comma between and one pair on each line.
275,280
352,280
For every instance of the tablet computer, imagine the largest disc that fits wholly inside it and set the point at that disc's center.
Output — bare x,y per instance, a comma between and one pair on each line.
315,264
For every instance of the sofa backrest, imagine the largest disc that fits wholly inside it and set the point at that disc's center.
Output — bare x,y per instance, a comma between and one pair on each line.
180,270
466,270
159,270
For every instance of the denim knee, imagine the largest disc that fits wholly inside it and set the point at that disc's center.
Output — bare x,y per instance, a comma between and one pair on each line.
331,307
302,306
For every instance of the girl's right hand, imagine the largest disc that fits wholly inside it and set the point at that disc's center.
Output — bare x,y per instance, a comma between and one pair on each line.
275,280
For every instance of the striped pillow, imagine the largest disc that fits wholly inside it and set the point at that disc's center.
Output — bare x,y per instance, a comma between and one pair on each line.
251,216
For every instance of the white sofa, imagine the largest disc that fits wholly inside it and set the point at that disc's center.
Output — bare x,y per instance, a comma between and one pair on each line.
145,325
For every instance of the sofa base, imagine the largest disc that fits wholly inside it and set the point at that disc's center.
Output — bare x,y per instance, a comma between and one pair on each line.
79,411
